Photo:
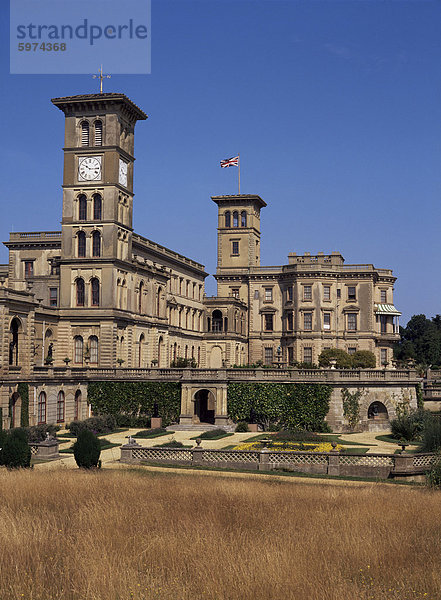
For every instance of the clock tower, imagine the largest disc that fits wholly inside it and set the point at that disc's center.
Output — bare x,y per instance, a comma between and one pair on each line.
97,193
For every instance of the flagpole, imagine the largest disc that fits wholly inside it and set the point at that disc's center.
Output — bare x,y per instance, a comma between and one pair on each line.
238,164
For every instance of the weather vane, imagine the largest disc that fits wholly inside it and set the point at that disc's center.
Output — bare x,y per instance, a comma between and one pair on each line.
100,76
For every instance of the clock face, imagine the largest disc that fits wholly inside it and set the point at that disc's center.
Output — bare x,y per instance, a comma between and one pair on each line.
89,168
123,166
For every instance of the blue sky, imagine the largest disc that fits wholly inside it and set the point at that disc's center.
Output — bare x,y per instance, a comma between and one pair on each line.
335,108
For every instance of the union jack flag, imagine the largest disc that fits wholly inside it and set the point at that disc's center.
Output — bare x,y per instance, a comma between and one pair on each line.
230,162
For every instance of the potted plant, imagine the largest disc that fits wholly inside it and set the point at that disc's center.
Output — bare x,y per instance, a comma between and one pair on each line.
120,361
66,361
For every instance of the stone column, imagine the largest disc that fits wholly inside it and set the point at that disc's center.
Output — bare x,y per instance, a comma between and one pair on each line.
334,463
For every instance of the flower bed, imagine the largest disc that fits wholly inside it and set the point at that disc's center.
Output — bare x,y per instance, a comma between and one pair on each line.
289,446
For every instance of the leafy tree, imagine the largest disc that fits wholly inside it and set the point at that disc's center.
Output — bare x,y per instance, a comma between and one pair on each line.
420,341
343,359
16,452
87,450
363,359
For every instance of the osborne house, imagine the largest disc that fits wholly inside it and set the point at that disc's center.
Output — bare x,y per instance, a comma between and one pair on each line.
97,301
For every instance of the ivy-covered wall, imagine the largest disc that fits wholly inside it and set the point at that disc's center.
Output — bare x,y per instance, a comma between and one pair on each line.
114,397
291,405
23,391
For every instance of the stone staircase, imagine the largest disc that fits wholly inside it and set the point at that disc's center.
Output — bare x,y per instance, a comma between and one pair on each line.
198,427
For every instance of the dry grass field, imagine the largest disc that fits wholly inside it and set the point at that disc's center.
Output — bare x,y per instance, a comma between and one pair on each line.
133,534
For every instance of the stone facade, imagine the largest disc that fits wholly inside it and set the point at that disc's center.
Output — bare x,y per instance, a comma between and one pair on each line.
97,296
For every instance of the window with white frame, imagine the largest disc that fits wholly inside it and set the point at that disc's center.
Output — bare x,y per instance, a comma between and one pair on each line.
307,321
352,321
268,294
269,355
327,320
307,292
326,292
307,354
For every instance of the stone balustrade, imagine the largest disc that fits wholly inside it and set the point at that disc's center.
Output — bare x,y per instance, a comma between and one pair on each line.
408,466
332,376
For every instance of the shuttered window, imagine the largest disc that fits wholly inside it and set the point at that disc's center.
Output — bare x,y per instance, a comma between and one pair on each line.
84,133
98,133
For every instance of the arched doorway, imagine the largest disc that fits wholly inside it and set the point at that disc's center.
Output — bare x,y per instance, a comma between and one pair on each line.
13,342
377,412
160,351
204,407
15,409
77,405
216,358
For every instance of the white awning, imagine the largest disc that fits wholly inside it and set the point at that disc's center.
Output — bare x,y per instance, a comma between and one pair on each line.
386,309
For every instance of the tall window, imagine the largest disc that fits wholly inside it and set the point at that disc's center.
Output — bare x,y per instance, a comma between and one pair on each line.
60,407
307,292
351,293
268,294
307,354
383,356
82,208
95,288
352,321
141,292
228,219
81,241
307,321
98,133
289,293
383,323
53,296
85,133
93,346
235,292
29,268
97,207
326,320
268,322
158,302
78,350
243,219
326,292
80,292
96,244
235,248
41,415
235,219
269,356
289,321
383,296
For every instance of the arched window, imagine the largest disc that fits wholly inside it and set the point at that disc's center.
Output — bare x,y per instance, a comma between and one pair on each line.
81,244
95,288
85,133
97,207
41,415
96,244
78,350
141,292
235,219
98,133
82,208
141,350
243,219
217,320
77,405
228,219
158,302
80,292
60,407
93,348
